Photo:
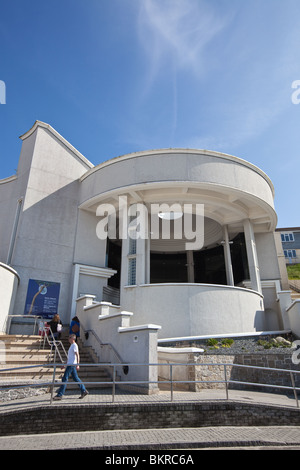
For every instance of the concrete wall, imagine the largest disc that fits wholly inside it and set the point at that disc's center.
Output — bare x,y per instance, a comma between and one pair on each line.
293,314
173,363
180,165
267,256
195,309
9,281
44,246
116,342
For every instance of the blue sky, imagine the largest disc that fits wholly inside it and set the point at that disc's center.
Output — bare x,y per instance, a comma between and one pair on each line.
119,76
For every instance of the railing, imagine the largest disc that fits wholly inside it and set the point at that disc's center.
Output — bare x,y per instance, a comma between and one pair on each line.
113,383
9,322
53,343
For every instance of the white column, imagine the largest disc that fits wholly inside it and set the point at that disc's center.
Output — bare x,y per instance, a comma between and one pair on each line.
141,244
147,253
134,246
252,256
123,234
227,255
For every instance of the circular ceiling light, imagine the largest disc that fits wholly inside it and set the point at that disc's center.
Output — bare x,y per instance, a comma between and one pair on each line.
170,215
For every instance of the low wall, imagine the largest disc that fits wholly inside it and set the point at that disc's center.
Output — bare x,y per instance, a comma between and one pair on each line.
208,369
272,361
74,418
9,281
178,356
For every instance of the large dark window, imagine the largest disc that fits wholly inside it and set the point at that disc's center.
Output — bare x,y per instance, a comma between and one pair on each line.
239,259
168,267
113,261
209,266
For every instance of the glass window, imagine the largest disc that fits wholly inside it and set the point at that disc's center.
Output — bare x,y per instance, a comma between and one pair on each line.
287,237
132,271
290,253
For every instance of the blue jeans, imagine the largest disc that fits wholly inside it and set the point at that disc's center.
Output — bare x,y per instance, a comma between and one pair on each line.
70,370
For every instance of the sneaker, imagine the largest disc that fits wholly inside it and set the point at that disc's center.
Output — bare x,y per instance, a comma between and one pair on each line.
84,394
57,397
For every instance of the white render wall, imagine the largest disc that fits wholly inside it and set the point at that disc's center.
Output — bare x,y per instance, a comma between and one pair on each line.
8,288
207,168
195,309
47,180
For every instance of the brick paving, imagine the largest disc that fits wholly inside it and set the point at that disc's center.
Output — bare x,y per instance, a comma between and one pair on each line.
240,437
159,439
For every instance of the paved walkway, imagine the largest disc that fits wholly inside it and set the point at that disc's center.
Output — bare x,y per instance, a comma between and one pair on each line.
158,439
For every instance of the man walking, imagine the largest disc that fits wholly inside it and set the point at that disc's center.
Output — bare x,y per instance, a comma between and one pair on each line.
71,369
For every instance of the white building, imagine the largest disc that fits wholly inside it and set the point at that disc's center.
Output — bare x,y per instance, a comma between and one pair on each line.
221,277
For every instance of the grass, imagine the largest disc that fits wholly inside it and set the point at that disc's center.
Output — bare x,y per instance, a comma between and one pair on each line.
213,343
293,271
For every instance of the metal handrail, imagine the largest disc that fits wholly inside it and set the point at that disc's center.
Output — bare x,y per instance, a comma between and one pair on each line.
27,316
53,343
171,381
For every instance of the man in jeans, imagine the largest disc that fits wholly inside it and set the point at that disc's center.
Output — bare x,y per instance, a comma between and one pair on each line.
71,369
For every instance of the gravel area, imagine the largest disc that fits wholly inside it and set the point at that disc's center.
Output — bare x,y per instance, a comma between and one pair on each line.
241,345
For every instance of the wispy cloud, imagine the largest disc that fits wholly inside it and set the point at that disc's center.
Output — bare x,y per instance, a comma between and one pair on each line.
175,33
233,64
174,36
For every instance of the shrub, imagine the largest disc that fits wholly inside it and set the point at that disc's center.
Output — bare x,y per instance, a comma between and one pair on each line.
227,342
213,342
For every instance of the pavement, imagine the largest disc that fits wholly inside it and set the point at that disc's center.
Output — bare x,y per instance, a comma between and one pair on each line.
158,440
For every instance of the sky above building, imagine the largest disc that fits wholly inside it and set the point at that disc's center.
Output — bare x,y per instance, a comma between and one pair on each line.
120,76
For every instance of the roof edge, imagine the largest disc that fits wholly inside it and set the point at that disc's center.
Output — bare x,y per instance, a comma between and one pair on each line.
67,144
213,153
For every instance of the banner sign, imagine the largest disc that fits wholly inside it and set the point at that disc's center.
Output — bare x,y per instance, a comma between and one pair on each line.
42,298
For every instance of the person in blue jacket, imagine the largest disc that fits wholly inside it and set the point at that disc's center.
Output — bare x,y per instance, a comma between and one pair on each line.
75,327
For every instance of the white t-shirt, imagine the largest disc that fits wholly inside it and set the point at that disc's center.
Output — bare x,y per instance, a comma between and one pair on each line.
72,358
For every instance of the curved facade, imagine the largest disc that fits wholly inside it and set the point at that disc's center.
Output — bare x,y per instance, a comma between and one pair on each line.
182,238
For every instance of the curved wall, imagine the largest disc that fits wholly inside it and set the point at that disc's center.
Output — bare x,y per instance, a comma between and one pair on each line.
195,309
195,166
9,281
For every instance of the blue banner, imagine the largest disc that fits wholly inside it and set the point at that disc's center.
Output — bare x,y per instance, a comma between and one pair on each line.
42,298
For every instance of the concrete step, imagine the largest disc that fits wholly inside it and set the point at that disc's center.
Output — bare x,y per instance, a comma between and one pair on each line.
25,350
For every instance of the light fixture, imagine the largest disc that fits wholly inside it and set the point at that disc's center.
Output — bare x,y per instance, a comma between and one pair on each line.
170,215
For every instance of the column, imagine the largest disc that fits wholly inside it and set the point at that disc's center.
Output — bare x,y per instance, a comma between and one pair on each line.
252,256
134,246
142,235
190,266
227,256
123,234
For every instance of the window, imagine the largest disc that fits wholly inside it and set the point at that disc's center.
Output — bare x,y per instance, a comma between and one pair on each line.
132,246
131,271
290,253
287,237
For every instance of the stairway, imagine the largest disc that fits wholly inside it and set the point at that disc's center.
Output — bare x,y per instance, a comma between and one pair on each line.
27,350
87,373
24,350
